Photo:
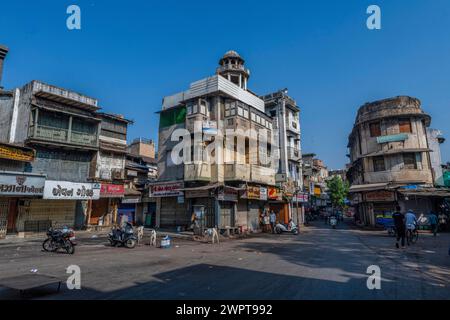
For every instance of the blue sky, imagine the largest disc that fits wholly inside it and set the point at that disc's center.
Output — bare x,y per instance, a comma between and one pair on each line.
129,54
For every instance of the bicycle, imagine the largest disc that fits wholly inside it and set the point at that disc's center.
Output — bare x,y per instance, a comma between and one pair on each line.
412,235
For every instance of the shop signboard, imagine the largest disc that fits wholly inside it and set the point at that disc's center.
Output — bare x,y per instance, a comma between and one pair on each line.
317,191
200,193
17,184
380,195
252,193
274,194
17,154
263,193
131,200
65,190
392,138
108,190
447,179
301,197
227,194
167,190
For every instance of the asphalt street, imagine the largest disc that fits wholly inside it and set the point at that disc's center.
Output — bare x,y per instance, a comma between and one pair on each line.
320,263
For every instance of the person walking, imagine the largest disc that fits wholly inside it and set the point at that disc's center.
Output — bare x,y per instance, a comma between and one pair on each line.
399,222
273,219
433,219
266,222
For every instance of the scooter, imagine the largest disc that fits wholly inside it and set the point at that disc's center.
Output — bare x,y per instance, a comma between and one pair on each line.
333,222
282,228
123,236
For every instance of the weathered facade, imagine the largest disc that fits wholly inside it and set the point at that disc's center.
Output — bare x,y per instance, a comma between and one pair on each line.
285,116
229,178
108,169
389,154
62,127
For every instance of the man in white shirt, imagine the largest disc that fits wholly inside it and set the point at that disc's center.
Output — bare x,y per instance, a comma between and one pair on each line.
410,220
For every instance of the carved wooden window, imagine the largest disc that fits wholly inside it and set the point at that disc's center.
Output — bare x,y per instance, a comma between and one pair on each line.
378,164
404,126
375,129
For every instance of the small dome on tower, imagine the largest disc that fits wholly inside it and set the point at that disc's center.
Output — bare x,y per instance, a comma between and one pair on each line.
231,55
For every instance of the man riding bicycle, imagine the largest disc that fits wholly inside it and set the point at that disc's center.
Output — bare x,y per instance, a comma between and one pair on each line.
411,224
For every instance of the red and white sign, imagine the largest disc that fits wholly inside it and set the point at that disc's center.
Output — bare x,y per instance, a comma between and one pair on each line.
167,190
108,190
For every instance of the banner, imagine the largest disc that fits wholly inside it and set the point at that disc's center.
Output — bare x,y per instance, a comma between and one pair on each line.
64,190
167,190
21,185
108,190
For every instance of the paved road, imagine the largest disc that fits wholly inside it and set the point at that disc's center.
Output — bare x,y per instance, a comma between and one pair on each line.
320,263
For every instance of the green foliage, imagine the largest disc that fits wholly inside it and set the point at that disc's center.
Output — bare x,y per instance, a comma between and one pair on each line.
338,191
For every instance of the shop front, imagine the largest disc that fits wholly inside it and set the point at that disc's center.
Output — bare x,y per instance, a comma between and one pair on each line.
62,202
171,210
256,197
227,198
278,204
16,189
104,211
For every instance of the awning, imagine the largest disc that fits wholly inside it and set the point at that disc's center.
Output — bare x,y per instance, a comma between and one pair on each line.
396,151
368,187
211,186
426,192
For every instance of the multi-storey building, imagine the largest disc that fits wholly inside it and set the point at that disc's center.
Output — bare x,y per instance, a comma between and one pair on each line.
65,160
230,184
315,174
63,128
108,169
286,126
390,159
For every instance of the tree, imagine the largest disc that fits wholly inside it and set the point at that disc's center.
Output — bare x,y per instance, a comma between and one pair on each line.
338,191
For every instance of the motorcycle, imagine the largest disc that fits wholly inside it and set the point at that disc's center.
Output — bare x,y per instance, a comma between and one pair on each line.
333,222
282,228
60,239
123,236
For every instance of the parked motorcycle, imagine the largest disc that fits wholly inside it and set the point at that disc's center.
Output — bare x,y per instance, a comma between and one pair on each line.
123,236
60,239
283,228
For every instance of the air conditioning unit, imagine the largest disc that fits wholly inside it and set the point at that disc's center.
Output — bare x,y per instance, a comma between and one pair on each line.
118,174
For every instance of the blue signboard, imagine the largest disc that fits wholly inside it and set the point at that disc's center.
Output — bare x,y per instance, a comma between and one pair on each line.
392,138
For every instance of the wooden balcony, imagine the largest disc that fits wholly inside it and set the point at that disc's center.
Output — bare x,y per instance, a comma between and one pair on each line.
61,135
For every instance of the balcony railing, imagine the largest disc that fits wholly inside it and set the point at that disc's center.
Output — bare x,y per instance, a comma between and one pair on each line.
54,134
83,138
51,133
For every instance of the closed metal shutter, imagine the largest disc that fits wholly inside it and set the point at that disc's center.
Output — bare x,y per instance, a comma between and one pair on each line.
36,214
173,213
253,216
4,208
226,215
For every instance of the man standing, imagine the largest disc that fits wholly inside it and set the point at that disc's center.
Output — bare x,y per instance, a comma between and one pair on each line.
433,222
399,222
273,219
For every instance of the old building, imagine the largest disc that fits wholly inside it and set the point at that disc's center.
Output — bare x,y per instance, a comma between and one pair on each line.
286,126
142,147
108,169
62,126
390,159
141,170
315,174
228,186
